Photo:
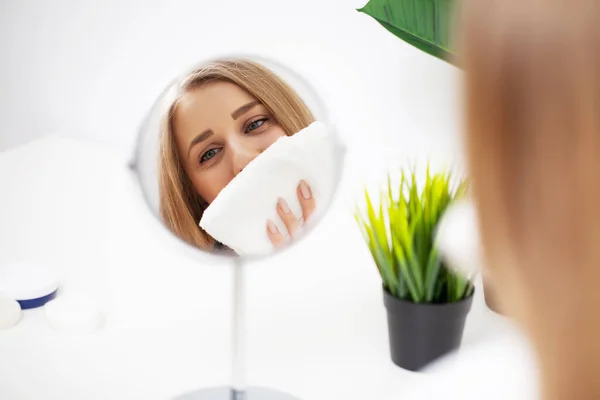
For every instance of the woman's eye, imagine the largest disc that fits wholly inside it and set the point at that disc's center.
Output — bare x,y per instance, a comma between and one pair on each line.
209,154
255,124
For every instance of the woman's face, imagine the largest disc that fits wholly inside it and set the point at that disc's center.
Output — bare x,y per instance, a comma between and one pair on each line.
219,129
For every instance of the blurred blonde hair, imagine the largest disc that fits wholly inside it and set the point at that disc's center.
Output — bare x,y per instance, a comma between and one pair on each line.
181,207
533,133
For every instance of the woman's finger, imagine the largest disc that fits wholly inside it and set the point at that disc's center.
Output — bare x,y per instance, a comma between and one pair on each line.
307,201
275,236
291,222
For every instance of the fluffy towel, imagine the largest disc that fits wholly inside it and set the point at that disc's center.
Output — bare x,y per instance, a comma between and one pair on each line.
238,216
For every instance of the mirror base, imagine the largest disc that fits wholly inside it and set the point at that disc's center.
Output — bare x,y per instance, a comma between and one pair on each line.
226,393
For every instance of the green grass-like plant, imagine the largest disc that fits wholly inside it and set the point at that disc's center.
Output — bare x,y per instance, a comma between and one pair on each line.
400,235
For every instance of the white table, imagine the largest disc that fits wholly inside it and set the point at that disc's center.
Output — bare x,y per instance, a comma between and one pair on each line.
316,320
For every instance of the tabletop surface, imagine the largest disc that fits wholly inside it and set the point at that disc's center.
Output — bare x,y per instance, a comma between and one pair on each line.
316,320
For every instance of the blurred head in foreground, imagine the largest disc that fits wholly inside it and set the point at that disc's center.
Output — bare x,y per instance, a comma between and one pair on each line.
533,134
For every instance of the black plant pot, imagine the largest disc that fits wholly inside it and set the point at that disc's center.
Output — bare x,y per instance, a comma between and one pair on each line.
421,333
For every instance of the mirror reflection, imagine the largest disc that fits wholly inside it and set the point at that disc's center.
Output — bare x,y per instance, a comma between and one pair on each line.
234,161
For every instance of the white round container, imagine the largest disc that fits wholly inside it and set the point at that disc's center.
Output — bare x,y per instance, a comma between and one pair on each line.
30,284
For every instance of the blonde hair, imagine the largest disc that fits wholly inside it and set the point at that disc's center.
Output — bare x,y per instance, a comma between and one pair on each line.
181,207
533,132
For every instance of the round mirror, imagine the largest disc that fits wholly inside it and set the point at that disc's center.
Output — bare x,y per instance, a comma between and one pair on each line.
237,159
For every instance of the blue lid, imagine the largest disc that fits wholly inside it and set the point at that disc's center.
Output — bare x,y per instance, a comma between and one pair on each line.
32,285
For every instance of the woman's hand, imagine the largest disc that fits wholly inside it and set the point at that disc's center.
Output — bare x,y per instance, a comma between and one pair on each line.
292,224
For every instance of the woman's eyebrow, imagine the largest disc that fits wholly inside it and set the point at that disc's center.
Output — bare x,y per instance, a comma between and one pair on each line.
200,138
237,113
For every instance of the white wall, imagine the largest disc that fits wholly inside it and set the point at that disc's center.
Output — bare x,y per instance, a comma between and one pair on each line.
93,68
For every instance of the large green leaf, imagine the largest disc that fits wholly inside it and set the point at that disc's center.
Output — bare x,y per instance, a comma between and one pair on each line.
424,24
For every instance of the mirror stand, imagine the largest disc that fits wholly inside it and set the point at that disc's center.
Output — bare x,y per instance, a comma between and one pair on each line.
238,389
239,332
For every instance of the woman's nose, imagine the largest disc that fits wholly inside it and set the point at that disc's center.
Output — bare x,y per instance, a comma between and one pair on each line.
242,155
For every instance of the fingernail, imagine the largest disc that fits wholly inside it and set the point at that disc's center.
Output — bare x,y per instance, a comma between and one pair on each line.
272,227
305,190
284,206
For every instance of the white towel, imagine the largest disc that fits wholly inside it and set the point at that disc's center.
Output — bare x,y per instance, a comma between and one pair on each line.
238,216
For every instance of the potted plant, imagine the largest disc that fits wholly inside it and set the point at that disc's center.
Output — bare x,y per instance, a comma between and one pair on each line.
427,304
